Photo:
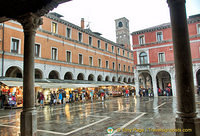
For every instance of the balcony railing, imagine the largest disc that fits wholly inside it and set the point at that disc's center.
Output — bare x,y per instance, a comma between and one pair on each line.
143,66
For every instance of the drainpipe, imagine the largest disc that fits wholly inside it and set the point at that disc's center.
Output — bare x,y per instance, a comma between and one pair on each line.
116,62
2,69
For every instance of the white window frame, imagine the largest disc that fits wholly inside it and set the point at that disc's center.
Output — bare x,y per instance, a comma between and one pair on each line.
52,27
118,51
113,49
159,57
70,32
89,40
100,63
157,36
123,52
81,37
139,39
128,55
138,56
56,53
19,49
124,68
108,64
39,50
198,28
82,59
106,46
70,56
89,61
119,67
113,68
129,69
99,44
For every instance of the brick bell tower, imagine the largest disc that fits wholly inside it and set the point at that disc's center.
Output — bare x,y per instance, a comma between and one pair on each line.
122,32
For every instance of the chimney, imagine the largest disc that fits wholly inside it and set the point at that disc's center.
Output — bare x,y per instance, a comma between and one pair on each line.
82,23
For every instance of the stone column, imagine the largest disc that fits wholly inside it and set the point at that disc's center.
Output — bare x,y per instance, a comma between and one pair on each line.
187,116
155,89
30,23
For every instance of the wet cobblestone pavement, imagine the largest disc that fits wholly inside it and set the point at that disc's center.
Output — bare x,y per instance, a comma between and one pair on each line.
127,116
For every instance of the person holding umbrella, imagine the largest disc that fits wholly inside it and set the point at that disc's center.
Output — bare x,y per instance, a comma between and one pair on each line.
91,95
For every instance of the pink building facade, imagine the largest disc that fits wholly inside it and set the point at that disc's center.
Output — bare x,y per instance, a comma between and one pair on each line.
154,56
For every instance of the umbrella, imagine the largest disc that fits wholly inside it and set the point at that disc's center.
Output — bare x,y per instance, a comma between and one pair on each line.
75,90
83,90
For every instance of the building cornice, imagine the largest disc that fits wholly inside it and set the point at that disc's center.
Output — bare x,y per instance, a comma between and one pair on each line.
163,26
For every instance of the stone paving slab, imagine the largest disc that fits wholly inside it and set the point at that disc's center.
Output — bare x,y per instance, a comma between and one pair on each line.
127,116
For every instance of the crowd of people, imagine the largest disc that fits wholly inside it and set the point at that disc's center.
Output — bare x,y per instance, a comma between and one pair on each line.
146,92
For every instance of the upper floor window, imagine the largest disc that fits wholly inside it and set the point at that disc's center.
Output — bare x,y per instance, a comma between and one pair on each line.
68,32
106,46
91,61
198,28
132,69
54,53
15,45
128,54
120,24
124,68
118,51
37,50
54,27
90,40
143,58
161,57
80,37
119,67
69,56
99,44
141,39
99,62
80,59
107,64
123,53
112,49
159,36
131,55
129,69
113,65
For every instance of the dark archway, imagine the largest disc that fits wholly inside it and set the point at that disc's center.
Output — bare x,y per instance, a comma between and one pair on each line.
38,74
198,77
163,79
14,72
113,79
119,79
91,77
99,78
53,75
133,81
107,78
125,80
80,76
145,80
129,80
68,76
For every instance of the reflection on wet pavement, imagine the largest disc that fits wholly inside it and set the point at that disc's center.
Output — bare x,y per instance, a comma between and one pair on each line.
127,116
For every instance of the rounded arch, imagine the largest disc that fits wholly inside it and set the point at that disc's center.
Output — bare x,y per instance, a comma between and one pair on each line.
14,72
107,78
99,78
119,79
114,79
163,79
68,76
129,80
53,75
120,24
80,76
38,74
125,79
145,80
133,80
91,77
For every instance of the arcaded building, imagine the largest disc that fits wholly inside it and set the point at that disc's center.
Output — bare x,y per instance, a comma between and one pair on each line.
154,56
66,51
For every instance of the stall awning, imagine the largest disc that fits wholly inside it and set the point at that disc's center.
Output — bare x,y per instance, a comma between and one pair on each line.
16,83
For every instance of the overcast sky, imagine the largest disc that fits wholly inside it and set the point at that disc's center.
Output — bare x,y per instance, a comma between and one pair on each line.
100,14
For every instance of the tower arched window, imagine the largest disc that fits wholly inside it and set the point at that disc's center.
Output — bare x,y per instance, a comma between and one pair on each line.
120,24
143,58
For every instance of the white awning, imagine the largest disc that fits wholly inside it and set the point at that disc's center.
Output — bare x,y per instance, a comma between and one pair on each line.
16,83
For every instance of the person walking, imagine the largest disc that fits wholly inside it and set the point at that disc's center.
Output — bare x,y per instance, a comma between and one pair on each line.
51,98
83,96
60,97
64,97
41,99
127,92
102,96
91,95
